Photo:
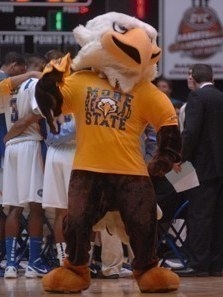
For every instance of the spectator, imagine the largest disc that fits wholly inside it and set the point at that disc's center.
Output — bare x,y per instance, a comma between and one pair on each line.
112,257
191,86
202,146
165,85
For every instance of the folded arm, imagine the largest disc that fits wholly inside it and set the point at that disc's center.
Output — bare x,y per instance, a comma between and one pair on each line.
10,83
21,125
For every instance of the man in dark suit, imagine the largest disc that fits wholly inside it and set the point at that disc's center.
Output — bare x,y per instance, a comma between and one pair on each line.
203,146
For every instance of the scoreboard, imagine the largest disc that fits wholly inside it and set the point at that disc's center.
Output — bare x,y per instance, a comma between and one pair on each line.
45,2
30,26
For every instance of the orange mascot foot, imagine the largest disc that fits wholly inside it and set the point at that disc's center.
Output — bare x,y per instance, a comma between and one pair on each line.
67,279
157,280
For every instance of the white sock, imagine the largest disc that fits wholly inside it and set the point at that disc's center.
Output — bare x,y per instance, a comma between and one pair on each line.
91,253
61,247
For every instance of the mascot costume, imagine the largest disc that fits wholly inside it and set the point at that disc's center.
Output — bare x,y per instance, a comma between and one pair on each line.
113,99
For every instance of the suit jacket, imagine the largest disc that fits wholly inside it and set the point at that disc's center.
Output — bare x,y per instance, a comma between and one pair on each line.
202,136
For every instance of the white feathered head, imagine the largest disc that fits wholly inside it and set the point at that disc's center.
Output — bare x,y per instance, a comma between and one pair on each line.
119,46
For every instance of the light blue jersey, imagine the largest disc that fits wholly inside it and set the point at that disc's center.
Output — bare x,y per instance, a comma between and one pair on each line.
66,135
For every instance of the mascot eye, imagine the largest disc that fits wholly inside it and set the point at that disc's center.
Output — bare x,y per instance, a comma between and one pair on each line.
119,28
151,39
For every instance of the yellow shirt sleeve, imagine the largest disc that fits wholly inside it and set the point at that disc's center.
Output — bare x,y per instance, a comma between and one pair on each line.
5,86
157,107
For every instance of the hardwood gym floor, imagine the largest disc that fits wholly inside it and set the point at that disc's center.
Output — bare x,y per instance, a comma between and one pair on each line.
123,287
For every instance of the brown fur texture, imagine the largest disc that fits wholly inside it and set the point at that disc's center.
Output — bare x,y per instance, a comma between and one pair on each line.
49,97
169,151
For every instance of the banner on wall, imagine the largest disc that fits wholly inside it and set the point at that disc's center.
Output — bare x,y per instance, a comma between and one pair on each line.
191,31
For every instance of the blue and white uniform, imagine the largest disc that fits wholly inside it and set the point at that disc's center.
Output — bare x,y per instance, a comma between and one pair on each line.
3,131
23,165
58,165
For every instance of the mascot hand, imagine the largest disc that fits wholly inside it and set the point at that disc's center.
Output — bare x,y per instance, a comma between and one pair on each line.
48,95
49,98
160,165
168,153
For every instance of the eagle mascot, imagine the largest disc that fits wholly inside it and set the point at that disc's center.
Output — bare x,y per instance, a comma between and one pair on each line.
108,87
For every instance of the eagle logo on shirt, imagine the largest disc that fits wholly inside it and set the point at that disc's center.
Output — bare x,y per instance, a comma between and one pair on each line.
107,105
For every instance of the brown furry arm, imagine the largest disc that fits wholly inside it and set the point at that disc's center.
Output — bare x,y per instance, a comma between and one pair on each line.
49,97
168,152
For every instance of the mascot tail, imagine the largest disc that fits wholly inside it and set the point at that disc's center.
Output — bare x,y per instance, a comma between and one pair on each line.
48,95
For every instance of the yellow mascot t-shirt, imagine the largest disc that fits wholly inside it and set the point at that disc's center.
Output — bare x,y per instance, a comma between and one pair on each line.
109,123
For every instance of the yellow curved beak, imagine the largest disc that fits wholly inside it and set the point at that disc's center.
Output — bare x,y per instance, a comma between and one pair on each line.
133,49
